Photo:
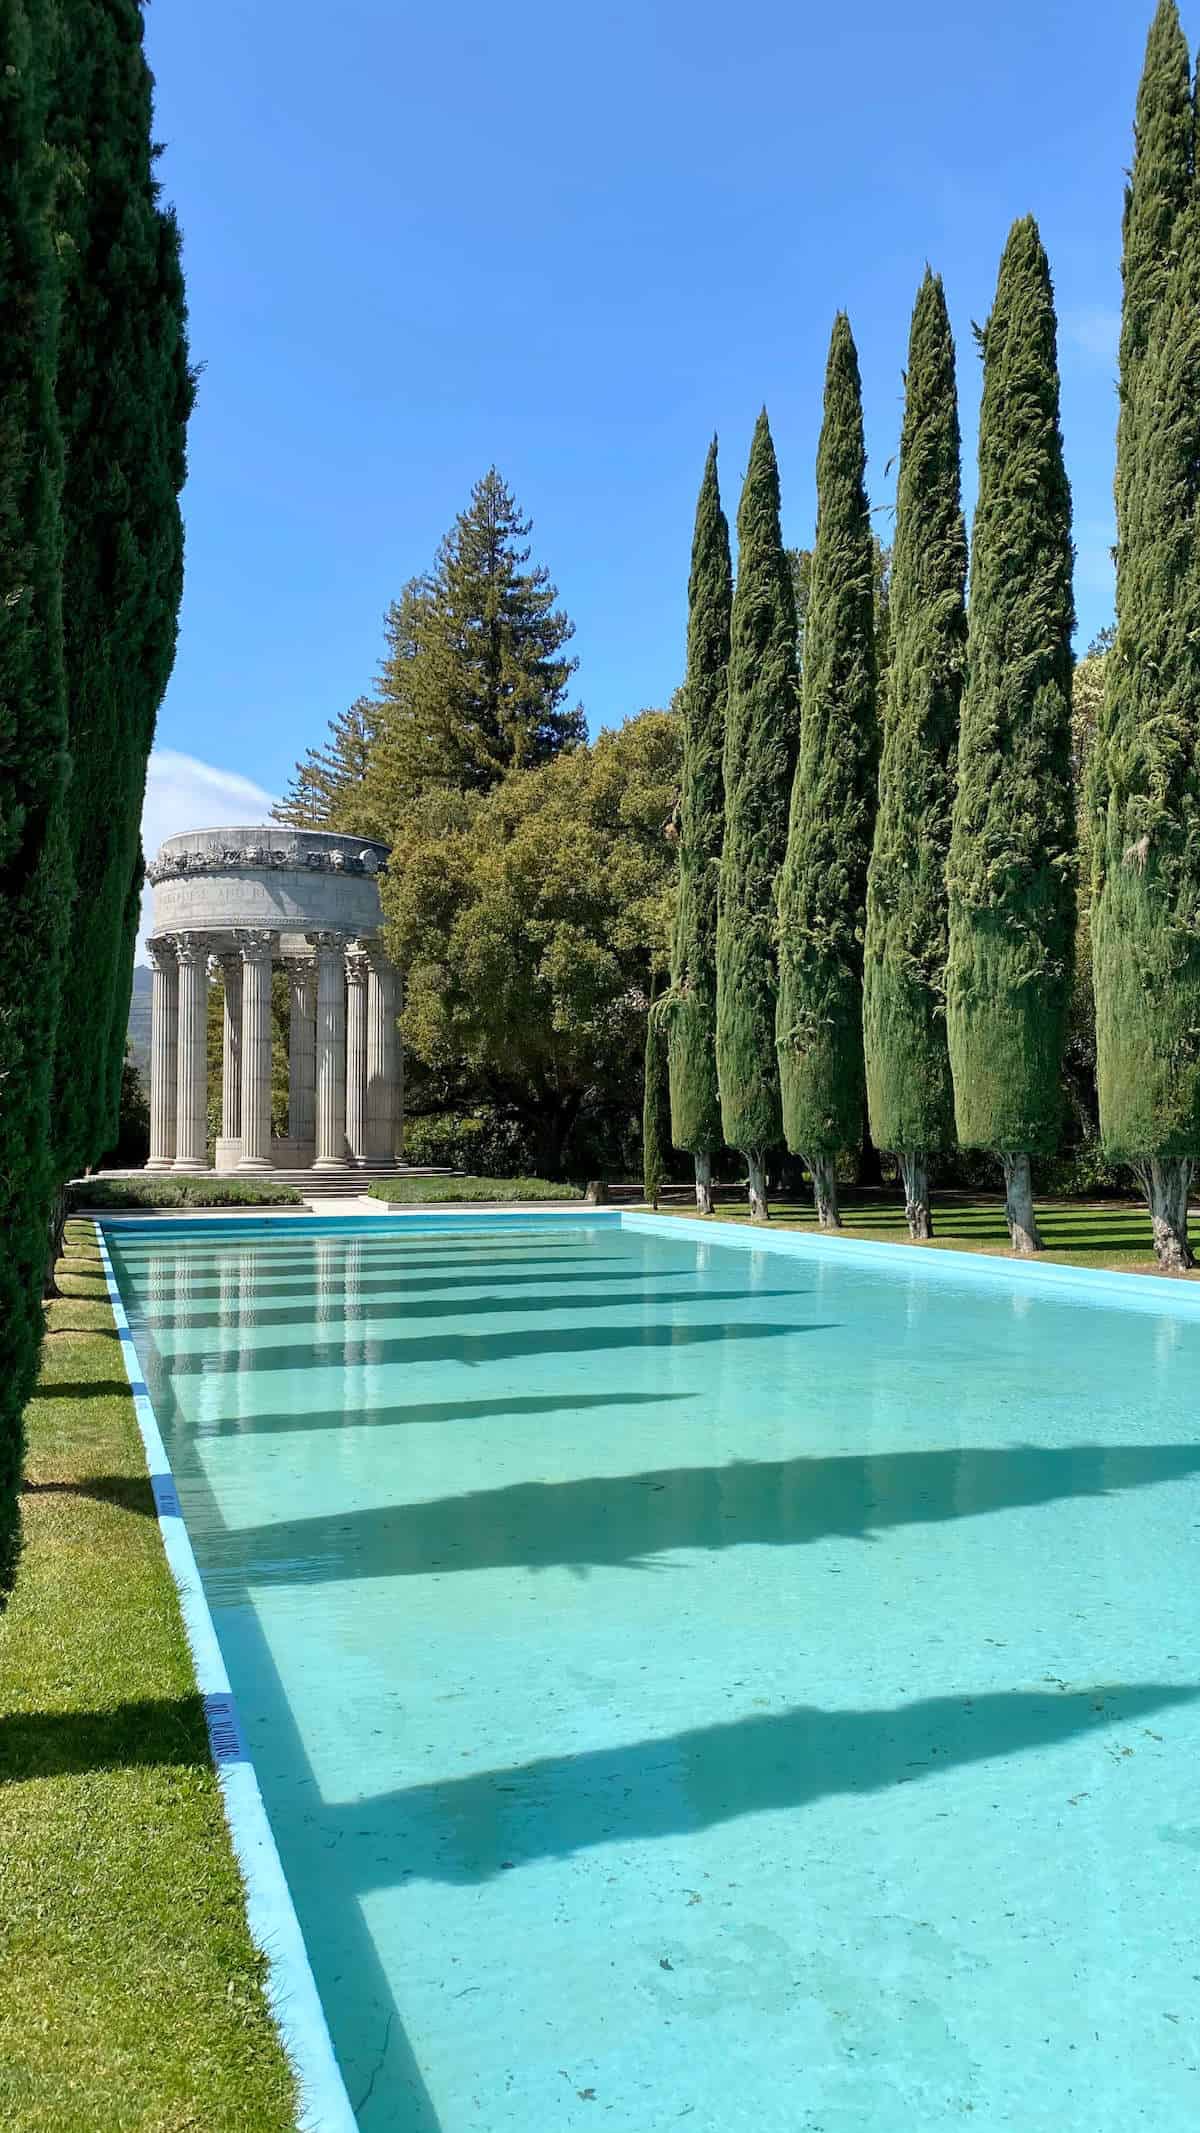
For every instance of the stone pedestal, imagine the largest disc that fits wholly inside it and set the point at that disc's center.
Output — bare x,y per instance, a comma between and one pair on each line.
191,1077
164,1019
331,1051
256,947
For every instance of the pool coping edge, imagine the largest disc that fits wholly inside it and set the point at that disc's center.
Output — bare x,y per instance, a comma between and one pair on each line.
293,1997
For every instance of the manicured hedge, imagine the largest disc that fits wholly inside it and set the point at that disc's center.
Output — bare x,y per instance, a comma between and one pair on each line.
418,1192
182,1192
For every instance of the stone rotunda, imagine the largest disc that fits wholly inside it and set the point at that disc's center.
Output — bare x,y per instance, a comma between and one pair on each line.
244,901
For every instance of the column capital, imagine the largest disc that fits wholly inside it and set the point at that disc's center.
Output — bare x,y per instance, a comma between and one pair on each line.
327,943
356,963
192,948
376,954
226,960
161,953
255,943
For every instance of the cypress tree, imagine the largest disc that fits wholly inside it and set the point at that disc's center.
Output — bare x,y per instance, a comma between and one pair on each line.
822,887
909,1091
125,393
691,1006
1144,771
34,868
1012,844
656,1108
762,717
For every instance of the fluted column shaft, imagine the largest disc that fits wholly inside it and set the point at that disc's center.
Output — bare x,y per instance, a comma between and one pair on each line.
383,1055
164,1017
191,1064
356,1052
231,1056
302,1050
331,1051
256,947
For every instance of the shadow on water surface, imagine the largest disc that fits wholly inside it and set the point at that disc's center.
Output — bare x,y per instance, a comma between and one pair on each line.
390,1288
469,1829
320,1307
504,1408
630,1520
476,1349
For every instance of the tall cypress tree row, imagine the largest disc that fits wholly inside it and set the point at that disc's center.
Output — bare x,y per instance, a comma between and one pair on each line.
1012,845
760,751
1144,784
34,868
822,887
909,1092
690,1008
125,393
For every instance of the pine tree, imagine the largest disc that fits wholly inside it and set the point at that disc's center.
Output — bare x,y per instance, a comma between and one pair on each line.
328,789
910,1096
762,720
691,1005
125,393
1144,770
1012,845
34,862
475,678
656,1108
822,887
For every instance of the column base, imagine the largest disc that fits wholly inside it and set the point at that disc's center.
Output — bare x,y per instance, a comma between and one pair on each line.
332,1162
160,1162
190,1166
252,1166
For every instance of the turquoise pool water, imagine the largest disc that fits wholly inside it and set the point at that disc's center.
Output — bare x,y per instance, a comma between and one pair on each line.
698,1686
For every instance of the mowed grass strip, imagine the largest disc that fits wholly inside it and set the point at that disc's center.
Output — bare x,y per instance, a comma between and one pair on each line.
131,1994
1104,1233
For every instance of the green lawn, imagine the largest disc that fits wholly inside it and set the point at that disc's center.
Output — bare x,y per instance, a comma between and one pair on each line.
1096,1234
429,1192
131,1995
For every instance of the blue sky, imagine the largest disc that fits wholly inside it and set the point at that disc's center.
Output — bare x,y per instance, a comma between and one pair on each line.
575,240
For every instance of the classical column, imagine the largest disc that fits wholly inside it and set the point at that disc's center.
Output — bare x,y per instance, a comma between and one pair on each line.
256,946
331,1050
191,1065
164,1016
356,1051
231,1056
383,1053
302,1049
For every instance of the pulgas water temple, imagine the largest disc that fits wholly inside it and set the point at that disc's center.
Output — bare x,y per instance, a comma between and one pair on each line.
250,901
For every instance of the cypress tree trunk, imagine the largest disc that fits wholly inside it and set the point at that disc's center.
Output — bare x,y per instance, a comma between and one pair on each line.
1165,1184
822,888
125,393
1018,1204
690,1007
35,878
914,1169
910,1097
760,747
1012,845
1144,770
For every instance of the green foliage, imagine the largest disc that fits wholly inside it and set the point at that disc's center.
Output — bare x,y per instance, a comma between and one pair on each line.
762,725
909,1091
154,1191
132,1144
690,1008
1144,771
822,886
656,1108
1012,849
531,923
326,791
35,874
125,392
432,1192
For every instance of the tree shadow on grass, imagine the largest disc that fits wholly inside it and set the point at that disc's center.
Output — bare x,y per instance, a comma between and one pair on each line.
157,1730
81,1389
127,1492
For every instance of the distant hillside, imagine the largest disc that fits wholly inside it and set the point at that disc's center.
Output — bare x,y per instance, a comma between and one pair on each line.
139,1018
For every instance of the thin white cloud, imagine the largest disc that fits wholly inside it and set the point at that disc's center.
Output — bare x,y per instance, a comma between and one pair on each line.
1096,330
182,793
